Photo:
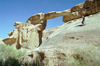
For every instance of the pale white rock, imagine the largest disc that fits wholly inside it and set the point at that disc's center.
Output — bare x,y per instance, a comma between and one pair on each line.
62,44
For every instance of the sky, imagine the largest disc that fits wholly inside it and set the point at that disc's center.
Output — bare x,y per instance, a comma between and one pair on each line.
12,11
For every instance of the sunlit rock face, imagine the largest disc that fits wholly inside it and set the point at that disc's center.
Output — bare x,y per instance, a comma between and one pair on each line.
32,29
83,9
86,8
68,43
71,42
48,32
25,35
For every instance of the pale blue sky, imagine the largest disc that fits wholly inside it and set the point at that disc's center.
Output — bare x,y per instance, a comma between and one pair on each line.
20,10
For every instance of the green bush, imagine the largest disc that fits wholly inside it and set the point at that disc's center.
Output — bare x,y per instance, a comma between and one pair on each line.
14,62
10,56
7,51
11,62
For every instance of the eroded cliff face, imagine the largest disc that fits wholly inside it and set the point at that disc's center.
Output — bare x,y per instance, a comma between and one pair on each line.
37,23
27,35
71,43
24,36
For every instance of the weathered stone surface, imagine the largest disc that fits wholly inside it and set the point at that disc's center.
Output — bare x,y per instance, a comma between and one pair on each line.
48,32
86,8
25,35
29,58
38,19
62,45
59,48
12,37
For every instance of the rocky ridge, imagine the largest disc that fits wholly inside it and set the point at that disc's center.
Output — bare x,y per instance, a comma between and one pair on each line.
63,43
86,8
37,23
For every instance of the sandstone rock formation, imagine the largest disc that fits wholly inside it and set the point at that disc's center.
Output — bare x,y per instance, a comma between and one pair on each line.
37,23
48,32
71,42
86,8
25,35
38,19
62,47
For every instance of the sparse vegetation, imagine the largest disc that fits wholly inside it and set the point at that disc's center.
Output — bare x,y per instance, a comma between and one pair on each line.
7,51
14,62
10,62
10,56
85,56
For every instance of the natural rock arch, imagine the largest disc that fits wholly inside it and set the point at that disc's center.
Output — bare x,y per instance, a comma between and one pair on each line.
37,23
